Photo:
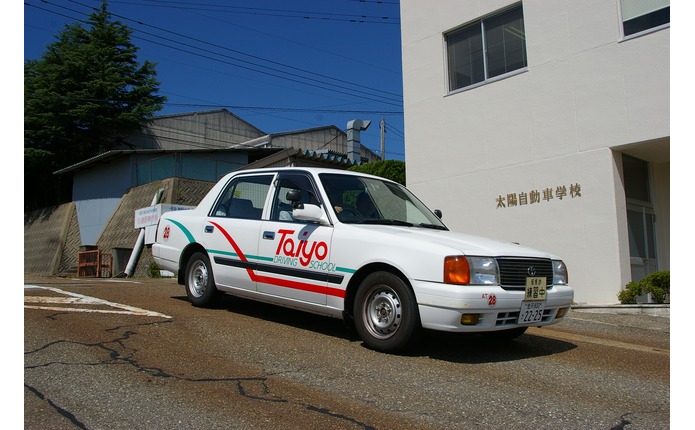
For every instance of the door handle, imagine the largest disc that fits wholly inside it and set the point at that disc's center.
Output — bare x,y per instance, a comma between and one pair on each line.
209,229
269,235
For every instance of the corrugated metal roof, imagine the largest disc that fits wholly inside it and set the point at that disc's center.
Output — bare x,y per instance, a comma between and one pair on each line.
206,112
294,154
110,155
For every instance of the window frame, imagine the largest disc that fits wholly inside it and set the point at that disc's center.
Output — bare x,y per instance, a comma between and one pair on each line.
221,208
646,31
278,199
480,22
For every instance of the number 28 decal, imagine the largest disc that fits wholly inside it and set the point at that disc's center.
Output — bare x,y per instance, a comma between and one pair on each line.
492,300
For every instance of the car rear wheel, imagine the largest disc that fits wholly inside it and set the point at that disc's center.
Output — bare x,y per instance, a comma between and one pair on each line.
200,282
386,314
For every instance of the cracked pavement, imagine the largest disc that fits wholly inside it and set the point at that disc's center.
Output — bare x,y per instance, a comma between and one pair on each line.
249,365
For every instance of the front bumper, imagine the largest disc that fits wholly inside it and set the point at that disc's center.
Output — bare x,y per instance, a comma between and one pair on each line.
441,306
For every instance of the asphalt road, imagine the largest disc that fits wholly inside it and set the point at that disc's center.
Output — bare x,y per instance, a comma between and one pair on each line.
134,354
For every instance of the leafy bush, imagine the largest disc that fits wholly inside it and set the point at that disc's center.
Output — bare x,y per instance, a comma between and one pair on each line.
629,295
389,169
658,284
153,270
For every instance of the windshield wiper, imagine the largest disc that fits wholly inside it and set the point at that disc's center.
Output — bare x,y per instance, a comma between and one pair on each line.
432,226
387,222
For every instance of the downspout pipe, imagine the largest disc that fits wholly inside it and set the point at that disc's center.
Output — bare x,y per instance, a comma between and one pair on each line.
137,249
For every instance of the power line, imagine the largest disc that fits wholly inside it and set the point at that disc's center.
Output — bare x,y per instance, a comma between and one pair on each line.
231,50
249,62
382,96
232,107
179,137
241,52
288,109
284,38
273,72
305,15
394,3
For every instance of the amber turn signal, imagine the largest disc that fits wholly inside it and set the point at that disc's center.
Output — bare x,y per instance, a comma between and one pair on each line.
456,270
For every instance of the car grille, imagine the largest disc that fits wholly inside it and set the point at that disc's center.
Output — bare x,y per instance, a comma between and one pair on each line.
514,271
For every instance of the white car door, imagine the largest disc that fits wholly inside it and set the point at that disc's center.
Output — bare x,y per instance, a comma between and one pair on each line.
297,254
233,229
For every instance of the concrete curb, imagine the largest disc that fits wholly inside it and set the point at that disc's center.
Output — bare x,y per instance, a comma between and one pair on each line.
660,310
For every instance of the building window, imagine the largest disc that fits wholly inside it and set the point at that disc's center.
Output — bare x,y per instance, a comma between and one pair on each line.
156,169
206,169
486,49
636,178
642,15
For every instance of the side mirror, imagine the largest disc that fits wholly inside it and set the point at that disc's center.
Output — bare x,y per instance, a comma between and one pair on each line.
295,196
438,213
311,213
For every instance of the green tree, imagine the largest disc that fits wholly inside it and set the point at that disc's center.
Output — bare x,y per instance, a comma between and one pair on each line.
389,169
84,96
36,190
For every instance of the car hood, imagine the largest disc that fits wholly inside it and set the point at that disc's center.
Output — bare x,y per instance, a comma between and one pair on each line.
466,244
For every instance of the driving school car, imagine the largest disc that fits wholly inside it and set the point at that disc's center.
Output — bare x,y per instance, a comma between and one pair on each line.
360,248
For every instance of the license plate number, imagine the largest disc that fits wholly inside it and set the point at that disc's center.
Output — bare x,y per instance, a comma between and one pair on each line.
531,312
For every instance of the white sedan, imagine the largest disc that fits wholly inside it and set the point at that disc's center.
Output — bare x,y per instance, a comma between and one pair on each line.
360,248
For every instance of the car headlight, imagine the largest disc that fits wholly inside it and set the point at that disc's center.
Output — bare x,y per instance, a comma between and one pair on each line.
462,270
559,273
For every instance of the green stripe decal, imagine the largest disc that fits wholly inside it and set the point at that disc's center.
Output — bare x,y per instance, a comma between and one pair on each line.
268,259
234,254
213,251
185,231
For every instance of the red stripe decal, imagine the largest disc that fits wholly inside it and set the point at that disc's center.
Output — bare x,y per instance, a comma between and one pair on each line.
296,285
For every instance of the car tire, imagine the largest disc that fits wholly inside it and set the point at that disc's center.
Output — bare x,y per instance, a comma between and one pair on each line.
200,282
386,314
505,335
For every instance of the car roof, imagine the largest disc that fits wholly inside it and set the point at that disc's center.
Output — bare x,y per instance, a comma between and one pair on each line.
313,170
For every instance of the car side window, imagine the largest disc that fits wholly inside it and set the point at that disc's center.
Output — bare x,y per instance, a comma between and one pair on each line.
243,198
282,206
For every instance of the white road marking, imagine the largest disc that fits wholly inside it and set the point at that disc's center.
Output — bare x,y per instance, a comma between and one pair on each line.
79,299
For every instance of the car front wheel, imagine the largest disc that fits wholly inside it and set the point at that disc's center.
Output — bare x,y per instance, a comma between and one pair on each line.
200,282
386,314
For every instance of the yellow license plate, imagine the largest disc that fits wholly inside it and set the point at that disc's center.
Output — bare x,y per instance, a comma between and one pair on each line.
535,288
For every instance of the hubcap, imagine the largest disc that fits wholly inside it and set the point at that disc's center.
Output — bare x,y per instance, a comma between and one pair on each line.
383,313
198,279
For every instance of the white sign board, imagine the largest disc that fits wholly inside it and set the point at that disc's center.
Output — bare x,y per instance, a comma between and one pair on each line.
150,234
150,216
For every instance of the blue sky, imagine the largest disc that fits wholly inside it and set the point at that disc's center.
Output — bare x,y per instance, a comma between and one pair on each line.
280,65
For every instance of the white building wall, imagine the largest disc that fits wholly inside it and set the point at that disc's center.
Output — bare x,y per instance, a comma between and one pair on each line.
585,93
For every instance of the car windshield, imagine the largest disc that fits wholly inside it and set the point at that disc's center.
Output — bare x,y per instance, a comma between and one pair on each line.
366,200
